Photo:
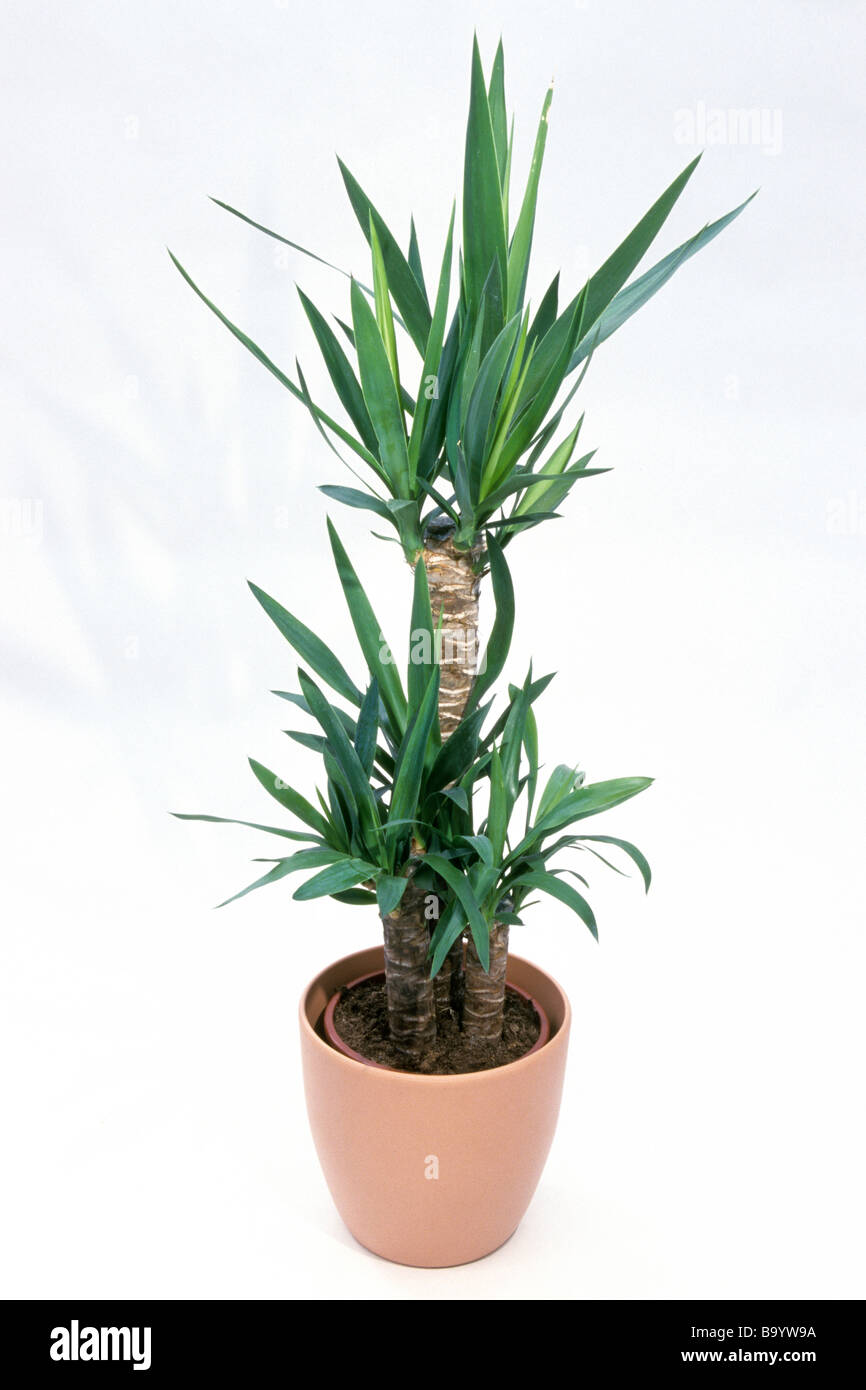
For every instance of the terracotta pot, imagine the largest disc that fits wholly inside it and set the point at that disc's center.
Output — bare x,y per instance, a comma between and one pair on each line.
431,1170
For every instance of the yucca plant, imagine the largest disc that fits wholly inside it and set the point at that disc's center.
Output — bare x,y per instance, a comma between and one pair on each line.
458,466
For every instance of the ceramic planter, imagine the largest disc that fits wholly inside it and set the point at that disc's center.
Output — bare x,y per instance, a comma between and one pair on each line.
431,1170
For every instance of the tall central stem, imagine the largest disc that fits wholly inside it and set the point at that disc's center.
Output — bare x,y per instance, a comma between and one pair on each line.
454,587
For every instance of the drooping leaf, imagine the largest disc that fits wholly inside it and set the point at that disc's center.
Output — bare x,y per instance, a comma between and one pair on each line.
389,892
628,848
289,798
363,501
548,883
335,879
347,438
310,648
462,889
305,859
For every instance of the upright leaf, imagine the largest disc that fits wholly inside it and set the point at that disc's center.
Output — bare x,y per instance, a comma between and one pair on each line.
380,394
483,223
408,295
521,242
377,653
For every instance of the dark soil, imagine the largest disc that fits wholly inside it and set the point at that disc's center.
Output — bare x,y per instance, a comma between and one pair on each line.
361,1019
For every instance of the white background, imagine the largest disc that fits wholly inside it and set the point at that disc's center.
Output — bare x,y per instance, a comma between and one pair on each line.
703,605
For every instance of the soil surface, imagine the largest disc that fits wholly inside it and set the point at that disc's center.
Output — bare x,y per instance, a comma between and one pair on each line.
361,1019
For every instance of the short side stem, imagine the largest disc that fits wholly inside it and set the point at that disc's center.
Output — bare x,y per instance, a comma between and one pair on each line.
484,998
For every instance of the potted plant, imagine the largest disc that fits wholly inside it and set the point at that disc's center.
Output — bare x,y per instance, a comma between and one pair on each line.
434,1063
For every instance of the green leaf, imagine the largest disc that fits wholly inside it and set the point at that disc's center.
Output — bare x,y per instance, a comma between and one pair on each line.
498,115
457,752
309,647
380,394
281,377
384,315
521,242
340,371
548,883
348,761
635,295
556,464
582,802
512,743
497,815
305,859
433,357
462,890
336,879
356,896
289,798
499,643
483,223
376,651
479,411
611,277
276,237
562,780
628,848
252,825
483,848
415,257
421,640
408,295
409,770
530,743
448,928
536,401
545,316
457,795
363,501
389,893
367,731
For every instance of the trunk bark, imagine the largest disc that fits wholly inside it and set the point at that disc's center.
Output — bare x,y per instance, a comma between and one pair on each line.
448,985
484,997
454,588
410,991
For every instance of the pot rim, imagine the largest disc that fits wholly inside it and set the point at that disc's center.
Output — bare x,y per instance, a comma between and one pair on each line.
340,1044
469,1078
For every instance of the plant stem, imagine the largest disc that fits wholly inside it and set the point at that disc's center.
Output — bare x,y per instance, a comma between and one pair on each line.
410,991
484,999
454,586
448,984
